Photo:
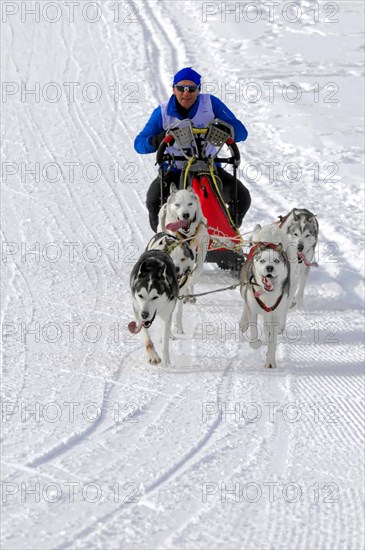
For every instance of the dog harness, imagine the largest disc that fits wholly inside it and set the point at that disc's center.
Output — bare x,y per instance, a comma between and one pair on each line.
263,246
184,237
265,307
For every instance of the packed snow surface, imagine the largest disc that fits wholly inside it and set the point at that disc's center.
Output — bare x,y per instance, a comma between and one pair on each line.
101,449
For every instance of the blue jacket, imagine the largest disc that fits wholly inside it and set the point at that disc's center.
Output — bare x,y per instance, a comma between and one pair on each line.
154,126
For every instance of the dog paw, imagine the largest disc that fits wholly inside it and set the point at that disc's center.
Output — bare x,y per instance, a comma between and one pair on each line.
166,362
178,330
296,304
153,358
270,365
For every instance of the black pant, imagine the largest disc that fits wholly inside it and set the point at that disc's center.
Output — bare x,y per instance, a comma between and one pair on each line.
228,182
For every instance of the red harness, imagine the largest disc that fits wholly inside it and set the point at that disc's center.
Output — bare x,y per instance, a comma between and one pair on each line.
263,246
264,306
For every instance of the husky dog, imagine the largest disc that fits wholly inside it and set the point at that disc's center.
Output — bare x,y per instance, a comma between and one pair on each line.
179,251
265,289
301,227
182,216
155,290
184,261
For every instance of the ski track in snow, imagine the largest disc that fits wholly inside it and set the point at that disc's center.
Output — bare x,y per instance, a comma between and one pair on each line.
150,432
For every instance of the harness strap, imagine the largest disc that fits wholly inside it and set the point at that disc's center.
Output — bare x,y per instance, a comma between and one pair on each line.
183,237
183,280
263,246
209,292
190,162
265,307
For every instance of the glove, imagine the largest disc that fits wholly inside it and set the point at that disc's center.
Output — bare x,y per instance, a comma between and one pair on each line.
156,140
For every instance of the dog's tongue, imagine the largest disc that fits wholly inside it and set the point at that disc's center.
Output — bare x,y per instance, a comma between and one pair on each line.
175,226
267,283
134,328
303,258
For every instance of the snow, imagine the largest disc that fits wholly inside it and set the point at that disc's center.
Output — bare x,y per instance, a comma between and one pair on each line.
214,451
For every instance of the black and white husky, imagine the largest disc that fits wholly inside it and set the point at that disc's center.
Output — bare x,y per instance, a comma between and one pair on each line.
179,251
301,227
155,290
182,216
265,289
183,257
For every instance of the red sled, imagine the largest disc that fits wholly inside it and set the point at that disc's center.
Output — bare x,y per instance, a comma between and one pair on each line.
198,170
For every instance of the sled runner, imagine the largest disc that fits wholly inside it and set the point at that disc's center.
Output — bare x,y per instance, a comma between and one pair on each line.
195,151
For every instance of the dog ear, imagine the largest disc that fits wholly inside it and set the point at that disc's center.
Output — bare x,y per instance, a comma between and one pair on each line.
161,272
255,233
295,216
143,269
173,188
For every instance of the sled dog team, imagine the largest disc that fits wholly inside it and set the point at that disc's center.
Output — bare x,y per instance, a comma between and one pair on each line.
272,279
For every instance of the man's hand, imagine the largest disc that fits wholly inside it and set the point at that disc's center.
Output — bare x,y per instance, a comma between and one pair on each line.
156,140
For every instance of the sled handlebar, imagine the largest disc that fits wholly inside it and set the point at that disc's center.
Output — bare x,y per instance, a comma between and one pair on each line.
169,140
235,158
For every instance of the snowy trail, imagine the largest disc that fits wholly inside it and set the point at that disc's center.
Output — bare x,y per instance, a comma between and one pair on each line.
214,452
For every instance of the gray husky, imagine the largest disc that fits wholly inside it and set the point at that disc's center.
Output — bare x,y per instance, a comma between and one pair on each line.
155,290
301,227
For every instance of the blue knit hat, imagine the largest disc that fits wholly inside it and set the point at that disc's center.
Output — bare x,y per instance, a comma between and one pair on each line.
187,74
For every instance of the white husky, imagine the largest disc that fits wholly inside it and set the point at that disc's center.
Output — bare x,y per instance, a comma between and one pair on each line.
301,227
182,216
155,290
265,280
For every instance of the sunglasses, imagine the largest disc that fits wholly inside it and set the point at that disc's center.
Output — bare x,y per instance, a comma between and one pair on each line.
187,88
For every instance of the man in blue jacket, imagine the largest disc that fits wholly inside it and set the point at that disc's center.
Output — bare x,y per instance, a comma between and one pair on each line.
187,102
